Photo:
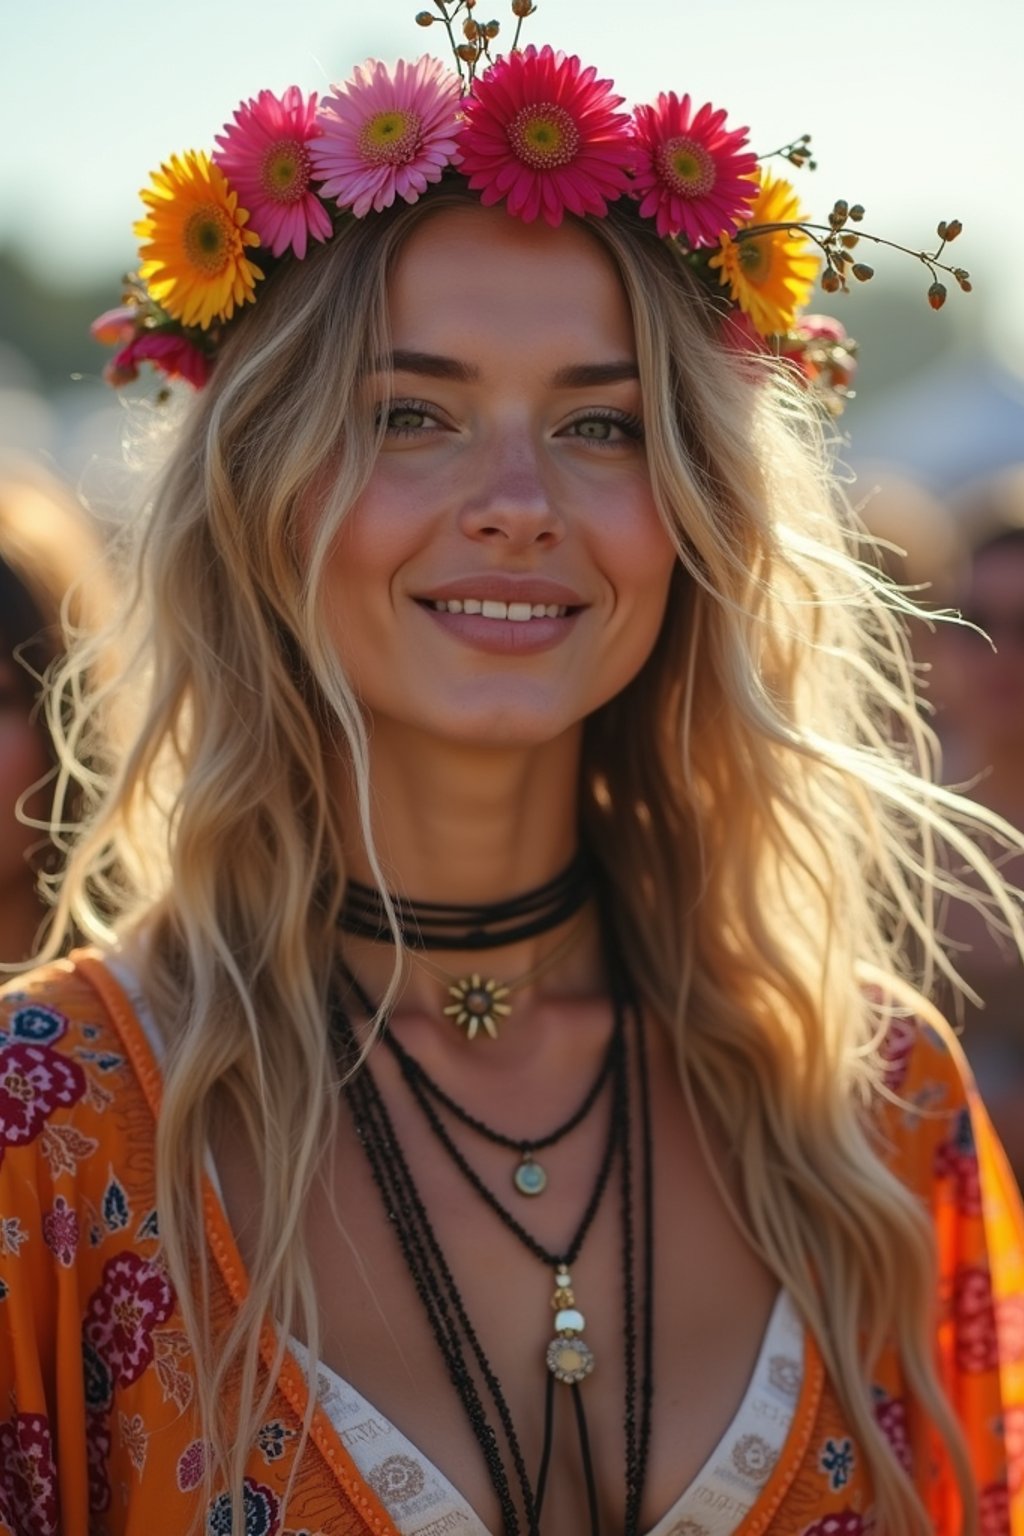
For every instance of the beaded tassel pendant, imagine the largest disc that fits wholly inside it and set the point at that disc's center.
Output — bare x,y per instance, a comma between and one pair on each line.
569,1356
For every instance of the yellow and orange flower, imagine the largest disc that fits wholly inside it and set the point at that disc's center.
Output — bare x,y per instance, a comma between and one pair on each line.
770,276
194,242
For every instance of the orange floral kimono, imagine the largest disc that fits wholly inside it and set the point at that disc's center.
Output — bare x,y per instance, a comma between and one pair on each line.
98,1429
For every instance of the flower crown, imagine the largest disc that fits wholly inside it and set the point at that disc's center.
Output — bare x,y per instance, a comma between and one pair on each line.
532,129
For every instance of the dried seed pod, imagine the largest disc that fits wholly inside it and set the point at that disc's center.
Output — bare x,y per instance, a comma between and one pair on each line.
963,277
953,228
940,229
857,212
937,295
839,215
522,8
862,272
849,241
470,30
468,53
424,19
492,29
831,281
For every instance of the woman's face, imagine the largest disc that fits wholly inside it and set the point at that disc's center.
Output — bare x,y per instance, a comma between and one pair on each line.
23,762
505,572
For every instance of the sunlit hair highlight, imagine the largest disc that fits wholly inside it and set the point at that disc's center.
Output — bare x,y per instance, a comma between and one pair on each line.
772,846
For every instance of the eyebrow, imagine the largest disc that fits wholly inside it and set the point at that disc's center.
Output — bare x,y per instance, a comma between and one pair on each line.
576,376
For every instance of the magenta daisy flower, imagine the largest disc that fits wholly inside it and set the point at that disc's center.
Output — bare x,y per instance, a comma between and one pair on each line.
265,155
386,136
170,352
543,133
692,173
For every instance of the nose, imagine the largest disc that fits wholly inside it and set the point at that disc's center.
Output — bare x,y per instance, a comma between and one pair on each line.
510,504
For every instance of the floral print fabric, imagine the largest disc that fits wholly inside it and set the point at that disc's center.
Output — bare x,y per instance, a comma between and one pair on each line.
99,1434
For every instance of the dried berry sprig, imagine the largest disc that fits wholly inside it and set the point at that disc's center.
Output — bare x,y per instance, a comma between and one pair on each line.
477,35
798,153
836,241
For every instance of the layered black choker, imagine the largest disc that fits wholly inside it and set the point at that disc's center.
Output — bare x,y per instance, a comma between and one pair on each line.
429,925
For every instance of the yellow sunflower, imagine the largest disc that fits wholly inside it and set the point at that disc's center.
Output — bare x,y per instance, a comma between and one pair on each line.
194,241
770,276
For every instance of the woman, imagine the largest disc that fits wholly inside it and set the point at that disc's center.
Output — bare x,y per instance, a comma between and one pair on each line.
49,562
496,1107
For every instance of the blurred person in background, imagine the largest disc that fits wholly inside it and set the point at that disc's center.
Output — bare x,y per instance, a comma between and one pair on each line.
983,685
919,547
49,565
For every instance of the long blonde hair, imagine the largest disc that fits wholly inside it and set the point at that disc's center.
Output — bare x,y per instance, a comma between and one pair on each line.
772,846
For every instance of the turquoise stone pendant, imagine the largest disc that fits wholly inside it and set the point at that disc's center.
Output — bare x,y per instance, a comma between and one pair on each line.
529,1177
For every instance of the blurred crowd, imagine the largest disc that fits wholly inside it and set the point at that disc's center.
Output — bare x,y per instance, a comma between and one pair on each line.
965,554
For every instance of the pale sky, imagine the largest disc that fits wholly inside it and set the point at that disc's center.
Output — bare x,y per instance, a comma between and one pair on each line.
916,109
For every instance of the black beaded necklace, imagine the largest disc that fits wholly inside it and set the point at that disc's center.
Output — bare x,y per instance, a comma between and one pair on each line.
530,1176
569,1359
433,925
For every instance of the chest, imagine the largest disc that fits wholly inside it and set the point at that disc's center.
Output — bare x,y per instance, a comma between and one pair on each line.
386,1311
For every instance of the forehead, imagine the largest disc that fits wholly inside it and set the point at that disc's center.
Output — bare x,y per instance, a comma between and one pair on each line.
471,278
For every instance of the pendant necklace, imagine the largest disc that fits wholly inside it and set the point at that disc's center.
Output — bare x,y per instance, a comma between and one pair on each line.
568,1358
530,1176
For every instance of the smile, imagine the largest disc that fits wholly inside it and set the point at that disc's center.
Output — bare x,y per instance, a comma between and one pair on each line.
488,608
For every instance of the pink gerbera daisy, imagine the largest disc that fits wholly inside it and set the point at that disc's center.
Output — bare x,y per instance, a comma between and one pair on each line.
173,354
386,136
543,133
265,155
692,172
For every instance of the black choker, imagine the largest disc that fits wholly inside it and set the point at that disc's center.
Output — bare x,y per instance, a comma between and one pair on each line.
437,925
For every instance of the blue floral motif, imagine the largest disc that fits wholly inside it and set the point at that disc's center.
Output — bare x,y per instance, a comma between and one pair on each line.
34,1024
148,1227
272,1439
837,1460
963,1136
262,1512
98,1381
116,1213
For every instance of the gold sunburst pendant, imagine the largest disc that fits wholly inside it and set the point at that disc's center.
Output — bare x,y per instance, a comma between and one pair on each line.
478,1004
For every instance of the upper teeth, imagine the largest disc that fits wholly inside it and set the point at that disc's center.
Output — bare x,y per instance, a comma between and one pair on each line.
488,609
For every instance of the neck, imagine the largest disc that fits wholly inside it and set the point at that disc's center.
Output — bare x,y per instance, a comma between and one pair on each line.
471,826
462,825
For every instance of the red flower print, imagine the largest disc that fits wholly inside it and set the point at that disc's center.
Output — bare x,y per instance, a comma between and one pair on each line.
977,1345
34,1082
896,1050
133,1298
891,1417
847,1523
1010,1327
192,1465
60,1231
957,1160
994,1510
28,1474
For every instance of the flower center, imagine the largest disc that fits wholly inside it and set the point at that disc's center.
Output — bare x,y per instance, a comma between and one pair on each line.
285,171
686,166
544,136
390,138
208,236
755,259
18,1087
127,1314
